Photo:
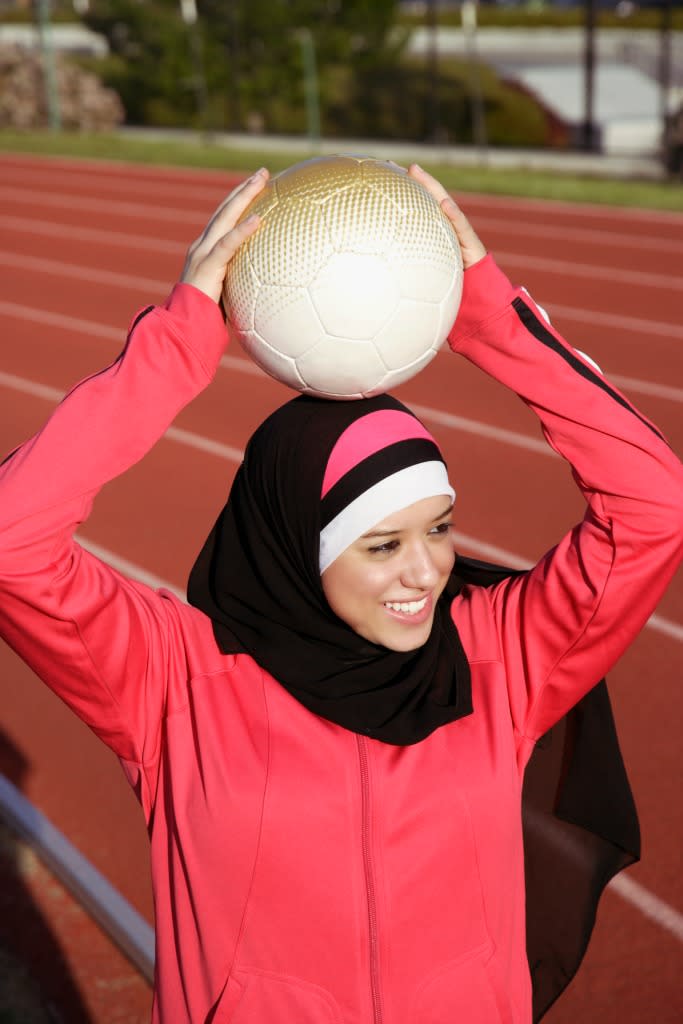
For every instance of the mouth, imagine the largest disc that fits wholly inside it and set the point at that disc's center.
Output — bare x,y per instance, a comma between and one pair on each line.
414,612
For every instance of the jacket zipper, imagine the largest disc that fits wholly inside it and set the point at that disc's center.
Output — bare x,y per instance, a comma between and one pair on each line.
366,837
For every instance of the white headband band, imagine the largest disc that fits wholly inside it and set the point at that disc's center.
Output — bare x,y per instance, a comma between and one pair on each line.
422,480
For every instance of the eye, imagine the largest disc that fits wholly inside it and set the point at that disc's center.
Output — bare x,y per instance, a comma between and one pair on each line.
441,530
384,549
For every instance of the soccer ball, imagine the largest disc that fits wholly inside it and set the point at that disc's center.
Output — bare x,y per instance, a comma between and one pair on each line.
352,281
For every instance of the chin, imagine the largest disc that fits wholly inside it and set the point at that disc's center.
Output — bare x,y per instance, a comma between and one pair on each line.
402,644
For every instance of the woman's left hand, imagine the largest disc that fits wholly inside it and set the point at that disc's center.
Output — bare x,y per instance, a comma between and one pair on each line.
471,246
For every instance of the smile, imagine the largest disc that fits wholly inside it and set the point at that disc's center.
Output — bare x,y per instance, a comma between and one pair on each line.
406,607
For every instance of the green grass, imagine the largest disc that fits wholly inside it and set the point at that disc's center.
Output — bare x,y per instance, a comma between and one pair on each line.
665,195
542,16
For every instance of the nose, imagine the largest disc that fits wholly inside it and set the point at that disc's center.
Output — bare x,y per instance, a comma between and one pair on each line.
419,570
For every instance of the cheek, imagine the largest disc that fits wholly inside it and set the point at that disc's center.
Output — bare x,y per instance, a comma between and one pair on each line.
446,559
350,587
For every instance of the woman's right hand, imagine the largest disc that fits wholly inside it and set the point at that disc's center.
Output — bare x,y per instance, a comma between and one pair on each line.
471,246
208,256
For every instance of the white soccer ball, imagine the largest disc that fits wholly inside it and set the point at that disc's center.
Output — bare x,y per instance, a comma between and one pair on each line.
352,281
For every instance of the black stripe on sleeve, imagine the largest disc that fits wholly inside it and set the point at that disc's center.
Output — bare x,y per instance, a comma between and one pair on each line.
139,317
376,467
542,334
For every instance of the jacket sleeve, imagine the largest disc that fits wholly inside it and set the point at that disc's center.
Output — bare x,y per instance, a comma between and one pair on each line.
99,640
564,624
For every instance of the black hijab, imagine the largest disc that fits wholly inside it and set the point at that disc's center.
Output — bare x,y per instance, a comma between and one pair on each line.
258,579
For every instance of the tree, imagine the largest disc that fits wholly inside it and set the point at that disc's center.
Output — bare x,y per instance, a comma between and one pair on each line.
150,64
264,75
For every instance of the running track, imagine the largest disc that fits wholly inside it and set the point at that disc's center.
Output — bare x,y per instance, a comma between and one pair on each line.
84,245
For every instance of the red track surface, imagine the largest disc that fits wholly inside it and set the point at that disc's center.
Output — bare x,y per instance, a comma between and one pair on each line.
96,242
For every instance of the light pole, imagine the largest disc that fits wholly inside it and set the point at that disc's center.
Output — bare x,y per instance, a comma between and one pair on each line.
433,112
588,133
188,10
311,92
665,73
468,16
47,53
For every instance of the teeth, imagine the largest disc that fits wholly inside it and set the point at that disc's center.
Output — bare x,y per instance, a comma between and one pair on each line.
407,607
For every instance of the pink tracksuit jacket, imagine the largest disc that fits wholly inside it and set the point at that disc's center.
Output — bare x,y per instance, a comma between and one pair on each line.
303,874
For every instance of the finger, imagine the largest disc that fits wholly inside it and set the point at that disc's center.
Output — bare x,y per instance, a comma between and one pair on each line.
231,209
227,245
206,271
229,212
471,246
434,187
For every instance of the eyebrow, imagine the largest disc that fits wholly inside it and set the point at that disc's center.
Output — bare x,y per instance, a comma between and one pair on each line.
390,533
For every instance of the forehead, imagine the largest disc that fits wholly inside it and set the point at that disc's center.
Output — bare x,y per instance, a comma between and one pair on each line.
417,514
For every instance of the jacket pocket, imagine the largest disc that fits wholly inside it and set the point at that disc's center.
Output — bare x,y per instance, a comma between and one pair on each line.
258,997
463,990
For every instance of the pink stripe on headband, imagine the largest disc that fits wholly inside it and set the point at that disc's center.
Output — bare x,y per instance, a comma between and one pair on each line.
368,435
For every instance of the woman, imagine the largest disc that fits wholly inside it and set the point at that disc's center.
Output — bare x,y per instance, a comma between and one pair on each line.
329,744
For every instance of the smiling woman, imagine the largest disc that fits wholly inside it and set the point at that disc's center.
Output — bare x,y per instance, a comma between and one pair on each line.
330,742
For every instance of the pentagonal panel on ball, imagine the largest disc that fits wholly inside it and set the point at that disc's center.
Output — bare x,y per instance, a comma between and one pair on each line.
354,295
360,220
276,365
426,280
396,377
341,369
286,319
290,245
412,331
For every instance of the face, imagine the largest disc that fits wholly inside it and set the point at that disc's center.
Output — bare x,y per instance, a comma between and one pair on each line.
386,585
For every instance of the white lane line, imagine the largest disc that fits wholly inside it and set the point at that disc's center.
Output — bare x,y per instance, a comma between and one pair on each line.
446,419
590,211
650,905
642,387
209,446
148,211
592,317
245,365
205,444
522,228
665,626
614,320
569,268
645,387
109,277
69,323
98,237
562,233
30,387
481,549
112,171
130,569
46,181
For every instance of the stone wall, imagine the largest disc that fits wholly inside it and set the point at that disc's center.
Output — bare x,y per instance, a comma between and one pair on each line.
85,104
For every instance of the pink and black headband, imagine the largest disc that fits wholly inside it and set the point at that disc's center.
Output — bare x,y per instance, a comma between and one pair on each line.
381,463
